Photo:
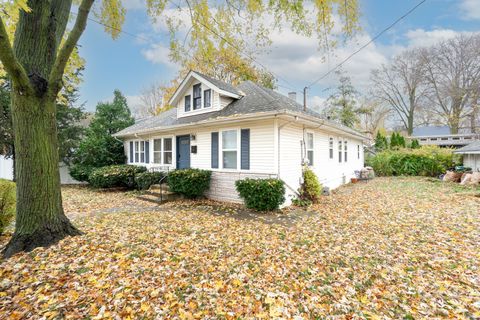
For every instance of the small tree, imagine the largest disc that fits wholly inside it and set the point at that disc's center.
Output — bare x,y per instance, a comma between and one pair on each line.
415,144
100,148
381,142
397,141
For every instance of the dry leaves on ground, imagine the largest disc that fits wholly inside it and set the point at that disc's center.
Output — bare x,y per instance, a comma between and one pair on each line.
390,249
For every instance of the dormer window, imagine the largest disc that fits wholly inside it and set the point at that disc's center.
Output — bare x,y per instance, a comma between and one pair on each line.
197,96
187,102
207,98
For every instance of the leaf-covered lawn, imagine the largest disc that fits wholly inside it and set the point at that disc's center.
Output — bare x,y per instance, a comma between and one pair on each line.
390,249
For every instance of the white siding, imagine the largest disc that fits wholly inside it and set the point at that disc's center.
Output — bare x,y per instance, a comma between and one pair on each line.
6,168
472,161
290,158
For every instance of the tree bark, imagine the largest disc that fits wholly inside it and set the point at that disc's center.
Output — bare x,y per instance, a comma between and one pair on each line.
36,66
40,219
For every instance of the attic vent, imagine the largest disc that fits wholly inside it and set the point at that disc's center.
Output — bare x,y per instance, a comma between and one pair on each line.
293,96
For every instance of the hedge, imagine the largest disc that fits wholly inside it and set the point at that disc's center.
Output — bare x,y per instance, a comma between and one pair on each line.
80,172
192,183
115,176
261,194
7,203
425,161
145,180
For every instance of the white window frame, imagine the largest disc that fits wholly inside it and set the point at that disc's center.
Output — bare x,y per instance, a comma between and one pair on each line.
203,99
137,151
340,150
163,151
331,148
312,149
221,150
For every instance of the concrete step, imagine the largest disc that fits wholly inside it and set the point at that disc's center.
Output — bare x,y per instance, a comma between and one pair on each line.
157,187
155,197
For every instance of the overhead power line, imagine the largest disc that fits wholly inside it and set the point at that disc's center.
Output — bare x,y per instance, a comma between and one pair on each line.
366,44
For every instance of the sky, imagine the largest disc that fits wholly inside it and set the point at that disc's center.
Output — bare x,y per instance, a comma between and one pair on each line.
139,57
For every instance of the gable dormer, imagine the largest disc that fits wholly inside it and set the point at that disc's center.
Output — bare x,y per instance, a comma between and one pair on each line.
198,94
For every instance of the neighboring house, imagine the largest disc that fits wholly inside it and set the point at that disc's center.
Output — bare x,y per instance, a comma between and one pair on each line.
241,132
471,155
441,136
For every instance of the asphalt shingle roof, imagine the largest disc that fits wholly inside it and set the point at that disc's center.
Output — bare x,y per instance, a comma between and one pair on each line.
255,99
472,147
220,84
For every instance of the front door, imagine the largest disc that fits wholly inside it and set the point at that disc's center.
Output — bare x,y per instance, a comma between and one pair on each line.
183,152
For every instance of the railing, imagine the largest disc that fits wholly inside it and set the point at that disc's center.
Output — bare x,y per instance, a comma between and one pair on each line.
165,169
448,140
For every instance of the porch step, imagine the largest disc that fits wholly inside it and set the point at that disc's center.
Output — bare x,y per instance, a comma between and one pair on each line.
157,187
159,198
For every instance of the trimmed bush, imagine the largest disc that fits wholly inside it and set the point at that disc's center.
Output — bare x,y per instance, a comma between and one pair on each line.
145,180
115,176
80,172
7,203
311,189
428,161
261,194
192,183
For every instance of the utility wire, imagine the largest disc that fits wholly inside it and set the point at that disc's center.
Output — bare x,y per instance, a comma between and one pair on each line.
367,44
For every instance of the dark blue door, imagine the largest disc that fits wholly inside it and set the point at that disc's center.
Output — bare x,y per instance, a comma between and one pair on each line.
183,152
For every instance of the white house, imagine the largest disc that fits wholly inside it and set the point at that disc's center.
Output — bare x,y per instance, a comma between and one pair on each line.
471,155
241,132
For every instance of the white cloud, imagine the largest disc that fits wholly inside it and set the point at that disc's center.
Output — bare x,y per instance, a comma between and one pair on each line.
159,54
470,9
423,38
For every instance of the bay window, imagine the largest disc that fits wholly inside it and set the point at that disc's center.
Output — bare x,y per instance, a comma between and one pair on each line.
229,149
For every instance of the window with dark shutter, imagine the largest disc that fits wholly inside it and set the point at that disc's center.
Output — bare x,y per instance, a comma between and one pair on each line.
207,98
197,96
147,152
245,149
214,150
131,152
187,103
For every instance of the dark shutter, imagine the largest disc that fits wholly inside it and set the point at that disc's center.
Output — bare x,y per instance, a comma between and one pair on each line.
131,151
214,149
147,152
245,149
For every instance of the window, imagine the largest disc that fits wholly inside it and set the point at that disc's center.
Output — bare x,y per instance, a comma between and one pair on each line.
187,103
346,151
330,148
207,98
139,152
339,151
197,96
229,149
167,151
310,148
157,151
358,151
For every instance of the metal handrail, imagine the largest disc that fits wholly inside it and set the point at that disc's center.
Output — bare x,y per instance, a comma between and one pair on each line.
161,184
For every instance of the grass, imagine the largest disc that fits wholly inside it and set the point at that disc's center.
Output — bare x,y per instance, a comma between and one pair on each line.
398,248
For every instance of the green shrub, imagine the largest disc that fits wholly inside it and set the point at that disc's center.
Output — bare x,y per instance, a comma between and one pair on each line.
7,203
426,161
261,194
115,176
80,172
311,189
192,183
145,180
415,144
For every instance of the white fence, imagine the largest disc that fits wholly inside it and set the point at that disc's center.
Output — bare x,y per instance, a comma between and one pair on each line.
6,171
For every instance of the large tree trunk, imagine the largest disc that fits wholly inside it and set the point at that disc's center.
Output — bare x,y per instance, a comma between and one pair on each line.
40,219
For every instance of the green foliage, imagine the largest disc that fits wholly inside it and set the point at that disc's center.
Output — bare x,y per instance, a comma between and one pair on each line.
115,176
425,161
80,172
192,183
145,180
7,203
343,103
414,144
397,141
261,194
100,148
311,189
381,142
